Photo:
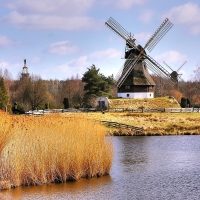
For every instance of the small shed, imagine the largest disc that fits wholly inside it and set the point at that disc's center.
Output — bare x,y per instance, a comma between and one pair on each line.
102,103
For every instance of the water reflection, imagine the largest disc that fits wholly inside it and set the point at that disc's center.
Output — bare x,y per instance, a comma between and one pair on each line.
166,167
129,152
79,189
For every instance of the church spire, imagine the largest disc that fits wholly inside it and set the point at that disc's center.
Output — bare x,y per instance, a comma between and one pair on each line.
25,73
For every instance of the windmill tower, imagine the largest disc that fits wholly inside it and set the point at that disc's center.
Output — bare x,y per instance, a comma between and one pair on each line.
24,73
133,80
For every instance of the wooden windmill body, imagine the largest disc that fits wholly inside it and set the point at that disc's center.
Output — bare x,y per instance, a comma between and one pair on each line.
138,84
134,80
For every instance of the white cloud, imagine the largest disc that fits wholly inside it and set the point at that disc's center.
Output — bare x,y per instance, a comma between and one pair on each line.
174,60
37,21
62,48
68,69
107,54
124,5
172,57
13,68
102,59
4,64
128,3
146,16
187,14
60,14
195,29
5,41
58,7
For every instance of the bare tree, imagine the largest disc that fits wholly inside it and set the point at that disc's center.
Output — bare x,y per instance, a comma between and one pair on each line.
31,92
55,93
195,88
78,96
162,87
73,90
36,92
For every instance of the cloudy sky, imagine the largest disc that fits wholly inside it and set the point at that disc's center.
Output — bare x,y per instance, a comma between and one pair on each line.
60,39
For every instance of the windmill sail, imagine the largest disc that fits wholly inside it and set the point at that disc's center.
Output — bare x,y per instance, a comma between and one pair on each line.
119,30
158,35
128,66
152,64
134,71
174,73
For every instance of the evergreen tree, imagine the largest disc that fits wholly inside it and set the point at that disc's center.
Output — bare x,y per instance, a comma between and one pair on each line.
96,83
3,94
66,103
188,103
183,102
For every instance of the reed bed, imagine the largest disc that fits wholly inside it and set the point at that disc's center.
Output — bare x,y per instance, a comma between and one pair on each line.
51,148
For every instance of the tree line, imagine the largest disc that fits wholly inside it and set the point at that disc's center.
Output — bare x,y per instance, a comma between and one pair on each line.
35,93
187,93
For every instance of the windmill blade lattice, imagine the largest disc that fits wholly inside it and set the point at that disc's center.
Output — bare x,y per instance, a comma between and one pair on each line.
152,64
128,66
155,70
168,66
119,30
158,35
181,66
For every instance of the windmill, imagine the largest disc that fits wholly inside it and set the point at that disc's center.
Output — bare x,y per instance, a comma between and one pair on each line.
175,74
133,79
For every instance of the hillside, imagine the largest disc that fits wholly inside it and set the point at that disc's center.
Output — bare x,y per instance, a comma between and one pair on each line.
159,102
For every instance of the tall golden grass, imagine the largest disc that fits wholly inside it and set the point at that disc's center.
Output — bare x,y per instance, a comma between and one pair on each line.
51,148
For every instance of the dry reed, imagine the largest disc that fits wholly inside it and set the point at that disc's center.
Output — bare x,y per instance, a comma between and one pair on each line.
52,148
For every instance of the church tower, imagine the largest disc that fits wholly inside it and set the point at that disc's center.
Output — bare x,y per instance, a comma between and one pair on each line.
24,73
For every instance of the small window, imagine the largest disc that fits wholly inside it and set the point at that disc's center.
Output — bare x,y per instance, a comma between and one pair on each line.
127,87
140,73
150,87
127,95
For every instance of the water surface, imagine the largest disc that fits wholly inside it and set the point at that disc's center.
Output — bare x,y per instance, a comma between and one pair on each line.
144,168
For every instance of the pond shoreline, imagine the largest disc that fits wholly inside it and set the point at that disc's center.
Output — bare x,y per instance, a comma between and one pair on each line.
150,124
129,133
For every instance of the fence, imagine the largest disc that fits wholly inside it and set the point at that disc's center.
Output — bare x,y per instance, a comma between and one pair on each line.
155,110
42,112
119,125
172,110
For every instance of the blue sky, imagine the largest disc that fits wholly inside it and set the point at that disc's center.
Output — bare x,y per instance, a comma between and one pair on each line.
62,38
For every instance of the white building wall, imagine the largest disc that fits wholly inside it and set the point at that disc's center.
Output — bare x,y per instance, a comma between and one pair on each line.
136,95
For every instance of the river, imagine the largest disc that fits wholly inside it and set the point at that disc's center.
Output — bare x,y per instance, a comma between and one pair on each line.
144,168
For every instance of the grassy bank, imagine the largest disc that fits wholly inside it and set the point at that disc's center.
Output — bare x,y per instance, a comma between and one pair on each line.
154,123
134,103
51,148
